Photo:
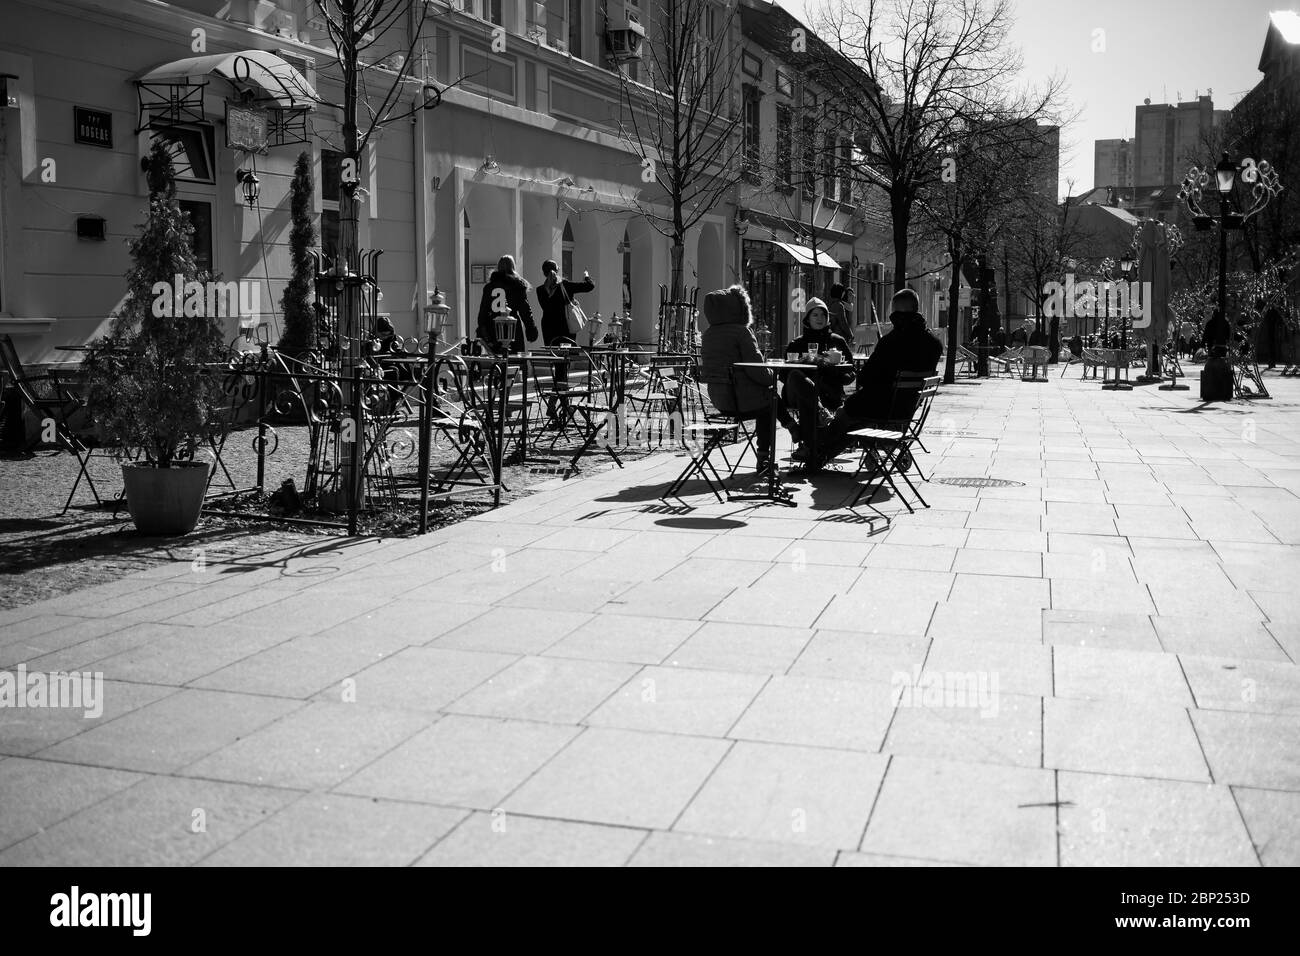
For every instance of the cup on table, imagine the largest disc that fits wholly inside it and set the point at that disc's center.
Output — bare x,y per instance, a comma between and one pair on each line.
833,356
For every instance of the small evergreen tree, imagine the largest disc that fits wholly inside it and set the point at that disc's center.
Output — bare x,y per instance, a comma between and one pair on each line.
299,315
150,381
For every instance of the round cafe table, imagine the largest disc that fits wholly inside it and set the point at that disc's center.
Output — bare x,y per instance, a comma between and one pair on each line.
775,491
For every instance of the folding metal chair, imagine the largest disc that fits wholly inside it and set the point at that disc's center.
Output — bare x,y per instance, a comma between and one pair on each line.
887,447
714,433
57,405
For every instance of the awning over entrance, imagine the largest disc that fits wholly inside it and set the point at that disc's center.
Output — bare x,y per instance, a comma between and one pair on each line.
272,80
275,97
803,255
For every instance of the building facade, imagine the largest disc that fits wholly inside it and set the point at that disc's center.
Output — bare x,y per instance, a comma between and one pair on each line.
1169,138
526,154
1112,163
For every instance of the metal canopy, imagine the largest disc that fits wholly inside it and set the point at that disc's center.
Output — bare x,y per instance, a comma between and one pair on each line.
173,93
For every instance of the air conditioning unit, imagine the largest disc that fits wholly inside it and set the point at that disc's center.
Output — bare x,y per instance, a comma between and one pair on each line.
624,35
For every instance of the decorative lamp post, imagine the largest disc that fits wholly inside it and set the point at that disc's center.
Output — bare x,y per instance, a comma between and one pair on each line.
1121,355
1262,184
435,318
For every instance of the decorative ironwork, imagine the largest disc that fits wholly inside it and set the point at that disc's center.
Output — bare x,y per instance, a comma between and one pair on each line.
287,127
169,104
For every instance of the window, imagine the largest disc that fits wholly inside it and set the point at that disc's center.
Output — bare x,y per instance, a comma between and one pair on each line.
808,174
191,151
828,165
751,65
846,171
753,141
784,145
784,84
489,74
575,27
331,162
200,214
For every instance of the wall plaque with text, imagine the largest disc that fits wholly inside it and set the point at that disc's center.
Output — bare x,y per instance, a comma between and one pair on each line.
92,127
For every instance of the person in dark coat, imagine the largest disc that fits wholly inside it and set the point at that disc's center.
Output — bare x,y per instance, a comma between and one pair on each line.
803,391
553,295
739,392
1216,335
909,347
1000,338
840,311
1019,337
506,293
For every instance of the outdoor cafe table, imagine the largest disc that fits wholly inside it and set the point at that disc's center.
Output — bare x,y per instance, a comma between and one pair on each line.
775,491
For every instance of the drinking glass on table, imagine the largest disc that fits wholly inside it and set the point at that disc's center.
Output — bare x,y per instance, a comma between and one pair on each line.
812,351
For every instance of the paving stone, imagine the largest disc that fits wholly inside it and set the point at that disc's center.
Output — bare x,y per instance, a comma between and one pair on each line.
545,688
1270,817
748,648
679,700
817,712
1130,821
160,821
621,777
513,630
1120,737
1217,637
163,736
337,830
691,849
809,796
965,813
1254,750
28,730
37,794
461,761
500,839
1100,673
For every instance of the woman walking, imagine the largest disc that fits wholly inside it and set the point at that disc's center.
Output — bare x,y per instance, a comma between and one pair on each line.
554,295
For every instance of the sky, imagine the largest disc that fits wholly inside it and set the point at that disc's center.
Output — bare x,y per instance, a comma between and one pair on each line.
1153,48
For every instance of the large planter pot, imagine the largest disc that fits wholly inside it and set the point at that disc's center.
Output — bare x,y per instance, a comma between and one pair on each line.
165,501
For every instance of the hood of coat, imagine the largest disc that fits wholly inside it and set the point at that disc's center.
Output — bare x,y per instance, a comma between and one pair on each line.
726,307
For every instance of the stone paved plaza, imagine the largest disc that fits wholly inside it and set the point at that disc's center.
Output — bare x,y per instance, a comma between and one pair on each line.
1095,665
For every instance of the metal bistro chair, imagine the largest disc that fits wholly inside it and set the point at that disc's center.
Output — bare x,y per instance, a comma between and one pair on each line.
53,400
723,429
887,447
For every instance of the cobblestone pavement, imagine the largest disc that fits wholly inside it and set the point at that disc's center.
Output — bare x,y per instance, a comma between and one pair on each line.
1093,663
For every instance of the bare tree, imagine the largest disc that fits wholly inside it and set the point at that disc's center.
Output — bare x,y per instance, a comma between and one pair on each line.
375,44
1038,248
911,74
969,216
682,121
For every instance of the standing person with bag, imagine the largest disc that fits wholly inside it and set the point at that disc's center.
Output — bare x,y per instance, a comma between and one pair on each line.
556,297
506,293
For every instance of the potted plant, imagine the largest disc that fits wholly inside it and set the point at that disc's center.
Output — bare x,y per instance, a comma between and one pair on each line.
149,384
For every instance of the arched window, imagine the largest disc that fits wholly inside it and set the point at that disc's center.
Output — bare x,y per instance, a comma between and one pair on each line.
566,253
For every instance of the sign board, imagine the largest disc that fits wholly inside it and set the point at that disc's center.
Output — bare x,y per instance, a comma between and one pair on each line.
246,129
92,127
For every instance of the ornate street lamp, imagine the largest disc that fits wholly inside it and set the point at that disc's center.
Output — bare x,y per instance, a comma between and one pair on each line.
1262,183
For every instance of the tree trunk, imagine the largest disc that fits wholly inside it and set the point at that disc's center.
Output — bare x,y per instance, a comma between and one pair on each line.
950,365
900,217
676,313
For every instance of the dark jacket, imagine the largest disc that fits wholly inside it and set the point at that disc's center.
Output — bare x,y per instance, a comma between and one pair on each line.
908,348
726,341
841,319
830,379
555,324
515,301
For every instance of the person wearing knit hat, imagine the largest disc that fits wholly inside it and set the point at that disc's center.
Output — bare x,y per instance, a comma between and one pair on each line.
825,386
738,392
909,347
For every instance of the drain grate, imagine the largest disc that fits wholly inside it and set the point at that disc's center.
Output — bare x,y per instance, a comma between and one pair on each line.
980,482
